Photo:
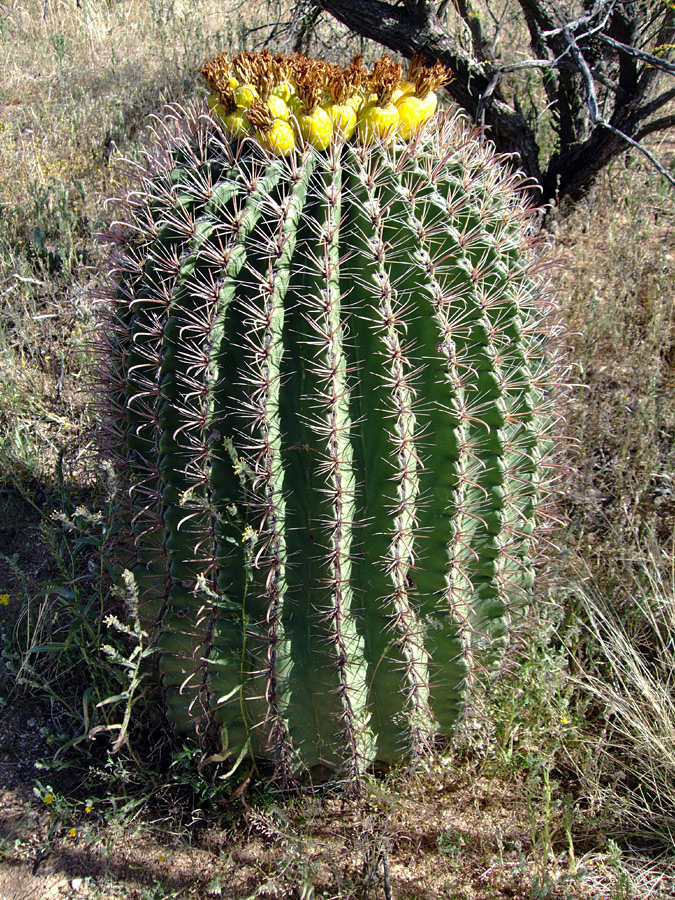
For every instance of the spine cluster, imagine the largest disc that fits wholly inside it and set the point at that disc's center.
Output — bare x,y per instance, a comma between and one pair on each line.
327,390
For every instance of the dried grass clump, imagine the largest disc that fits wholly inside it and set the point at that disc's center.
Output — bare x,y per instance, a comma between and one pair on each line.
629,672
615,287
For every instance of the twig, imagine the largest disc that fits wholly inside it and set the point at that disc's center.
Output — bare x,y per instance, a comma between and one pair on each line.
597,119
650,156
29,280
585,74
655,61
384,856
583,20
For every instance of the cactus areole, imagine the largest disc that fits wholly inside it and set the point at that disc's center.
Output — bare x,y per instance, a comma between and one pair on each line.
326,392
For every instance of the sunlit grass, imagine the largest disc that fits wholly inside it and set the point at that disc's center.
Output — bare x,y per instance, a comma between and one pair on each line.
630,672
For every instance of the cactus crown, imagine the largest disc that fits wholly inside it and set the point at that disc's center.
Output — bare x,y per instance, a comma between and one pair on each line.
427,78
327,392
306,85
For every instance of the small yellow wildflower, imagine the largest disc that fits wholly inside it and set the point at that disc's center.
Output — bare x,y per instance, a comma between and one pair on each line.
89,808
4,599
72,833
564,720
48,798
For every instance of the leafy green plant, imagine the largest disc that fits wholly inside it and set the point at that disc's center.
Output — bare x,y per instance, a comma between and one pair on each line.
56,648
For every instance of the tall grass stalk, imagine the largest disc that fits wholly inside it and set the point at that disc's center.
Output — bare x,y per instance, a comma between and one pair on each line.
631,675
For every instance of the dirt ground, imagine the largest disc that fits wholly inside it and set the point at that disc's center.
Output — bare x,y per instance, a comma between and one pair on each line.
451,835
458,832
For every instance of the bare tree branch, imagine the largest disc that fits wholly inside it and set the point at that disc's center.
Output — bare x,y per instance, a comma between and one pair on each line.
394,27
648,109
650,156
662,124
587,85
656,61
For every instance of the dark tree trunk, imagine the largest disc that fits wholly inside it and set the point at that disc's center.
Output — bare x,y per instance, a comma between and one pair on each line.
599,69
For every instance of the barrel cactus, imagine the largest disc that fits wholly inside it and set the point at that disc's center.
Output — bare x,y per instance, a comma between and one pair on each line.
326,393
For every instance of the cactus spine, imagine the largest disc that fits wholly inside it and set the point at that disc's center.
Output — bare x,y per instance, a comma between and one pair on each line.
326,391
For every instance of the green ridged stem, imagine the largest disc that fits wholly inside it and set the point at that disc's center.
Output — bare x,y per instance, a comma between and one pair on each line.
333,439
188,611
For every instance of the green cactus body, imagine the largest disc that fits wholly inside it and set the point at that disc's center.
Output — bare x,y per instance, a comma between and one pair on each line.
327,391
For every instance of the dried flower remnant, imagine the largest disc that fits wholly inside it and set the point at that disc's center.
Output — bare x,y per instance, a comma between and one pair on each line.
320,102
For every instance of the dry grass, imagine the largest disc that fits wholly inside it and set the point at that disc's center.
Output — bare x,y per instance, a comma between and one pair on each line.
528,807
633,686
76,77
615,286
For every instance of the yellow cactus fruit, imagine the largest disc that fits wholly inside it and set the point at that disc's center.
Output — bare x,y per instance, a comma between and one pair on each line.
244,95
274,135
413,112
278,108
278,138
343,118
430,103
377,123
216,72
347,86
237,124
343,86
284,90
255,92
243,65
427,80
378,117
311,121
315,128
216,107
402,90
